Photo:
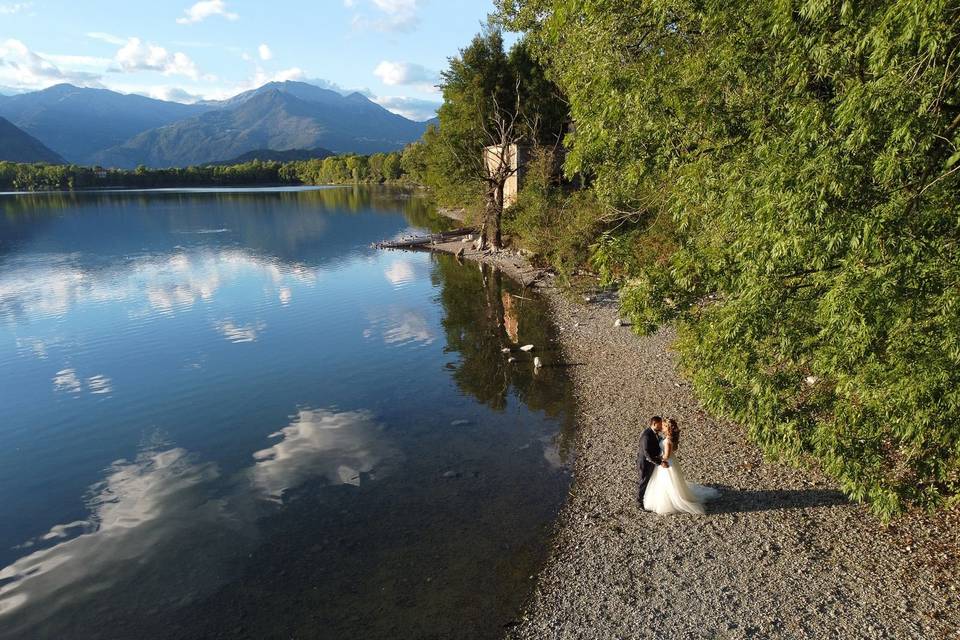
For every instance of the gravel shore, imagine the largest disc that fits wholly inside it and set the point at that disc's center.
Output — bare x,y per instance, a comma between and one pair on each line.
781,554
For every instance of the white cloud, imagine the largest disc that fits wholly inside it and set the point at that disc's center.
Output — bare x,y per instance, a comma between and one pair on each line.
25,69
136,55
168,92
109,38
264,51
261,77
395,15
405,73
90,62
205,9
412,108
396,6
173,94
293,73
16,7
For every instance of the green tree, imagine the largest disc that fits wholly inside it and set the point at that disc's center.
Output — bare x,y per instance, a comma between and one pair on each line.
413,160
492,101
391,166
805,156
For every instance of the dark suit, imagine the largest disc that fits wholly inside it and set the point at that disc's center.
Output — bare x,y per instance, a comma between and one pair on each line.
647,459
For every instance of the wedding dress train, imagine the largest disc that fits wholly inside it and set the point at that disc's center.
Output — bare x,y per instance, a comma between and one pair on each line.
669,492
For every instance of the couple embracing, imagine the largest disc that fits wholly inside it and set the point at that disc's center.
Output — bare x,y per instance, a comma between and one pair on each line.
663,488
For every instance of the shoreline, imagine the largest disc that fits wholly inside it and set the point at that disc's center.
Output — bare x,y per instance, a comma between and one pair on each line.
781,553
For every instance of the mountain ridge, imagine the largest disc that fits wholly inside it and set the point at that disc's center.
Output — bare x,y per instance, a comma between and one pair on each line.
16,145
287,115
80,121
102,127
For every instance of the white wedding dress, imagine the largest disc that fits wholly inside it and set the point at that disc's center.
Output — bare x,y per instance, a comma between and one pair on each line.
668,491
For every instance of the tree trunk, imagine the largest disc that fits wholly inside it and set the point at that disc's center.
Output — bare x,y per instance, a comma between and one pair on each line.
493,214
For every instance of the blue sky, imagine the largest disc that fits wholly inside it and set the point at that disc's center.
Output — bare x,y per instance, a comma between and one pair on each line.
186,50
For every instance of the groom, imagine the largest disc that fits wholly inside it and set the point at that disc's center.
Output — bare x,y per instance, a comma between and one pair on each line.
649,456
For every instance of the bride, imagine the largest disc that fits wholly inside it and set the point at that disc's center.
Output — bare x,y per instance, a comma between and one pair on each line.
667,491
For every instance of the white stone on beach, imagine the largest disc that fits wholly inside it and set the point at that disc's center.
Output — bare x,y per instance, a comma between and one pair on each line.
618,322
526,347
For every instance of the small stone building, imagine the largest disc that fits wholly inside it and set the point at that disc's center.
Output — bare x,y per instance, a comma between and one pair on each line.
518,156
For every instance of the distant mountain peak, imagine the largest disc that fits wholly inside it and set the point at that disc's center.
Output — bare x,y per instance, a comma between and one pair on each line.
80,121
278,115
100,126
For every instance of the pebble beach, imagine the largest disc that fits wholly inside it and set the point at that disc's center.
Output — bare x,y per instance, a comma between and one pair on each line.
780,554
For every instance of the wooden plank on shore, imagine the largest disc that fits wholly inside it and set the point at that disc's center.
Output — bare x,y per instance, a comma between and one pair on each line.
420,241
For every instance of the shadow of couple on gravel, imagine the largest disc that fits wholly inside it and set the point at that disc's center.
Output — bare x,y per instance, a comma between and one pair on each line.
731,500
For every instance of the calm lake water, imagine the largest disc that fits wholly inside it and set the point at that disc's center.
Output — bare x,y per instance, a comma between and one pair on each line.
222,414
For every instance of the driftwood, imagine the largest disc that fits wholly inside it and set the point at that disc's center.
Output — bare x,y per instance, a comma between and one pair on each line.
413,242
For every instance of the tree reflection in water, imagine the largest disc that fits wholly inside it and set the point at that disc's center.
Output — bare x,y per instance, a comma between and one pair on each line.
485,312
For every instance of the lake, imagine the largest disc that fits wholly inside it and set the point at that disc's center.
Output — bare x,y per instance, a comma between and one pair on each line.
222,414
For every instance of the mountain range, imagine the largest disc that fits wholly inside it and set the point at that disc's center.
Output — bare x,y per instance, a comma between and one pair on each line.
102,127
18,146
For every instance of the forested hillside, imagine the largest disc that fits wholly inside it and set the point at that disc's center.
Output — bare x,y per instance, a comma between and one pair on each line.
19,146
374,169
780,181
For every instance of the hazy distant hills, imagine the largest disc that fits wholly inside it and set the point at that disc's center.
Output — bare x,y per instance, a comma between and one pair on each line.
289,155
18,146
288,115
97,126
78,122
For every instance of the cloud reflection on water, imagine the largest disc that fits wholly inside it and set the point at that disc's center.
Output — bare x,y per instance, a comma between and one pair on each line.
67,381
240,333
165,284
147,509
397,325
139,505
319,443
400,272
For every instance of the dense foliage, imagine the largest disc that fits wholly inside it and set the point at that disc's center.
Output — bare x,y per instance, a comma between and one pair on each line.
780,178
492,98
376,168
